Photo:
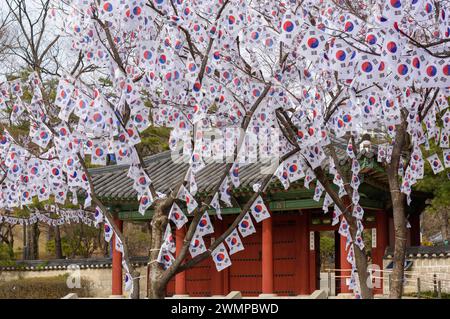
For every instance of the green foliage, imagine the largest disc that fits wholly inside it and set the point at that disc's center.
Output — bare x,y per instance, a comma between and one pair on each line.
66,248
6,252
154,140
436,184
327,250
42,288
78,241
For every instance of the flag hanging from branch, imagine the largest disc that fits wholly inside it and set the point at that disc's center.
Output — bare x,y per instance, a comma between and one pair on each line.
177,216
259,210
184,195
108,231
205,226
246,227
234,242
220,257
216,205
197,245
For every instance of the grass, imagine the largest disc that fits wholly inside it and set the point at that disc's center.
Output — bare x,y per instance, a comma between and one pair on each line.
429,295
42,288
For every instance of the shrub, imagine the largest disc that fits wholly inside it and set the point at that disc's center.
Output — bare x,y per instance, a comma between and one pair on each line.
42,288
6,252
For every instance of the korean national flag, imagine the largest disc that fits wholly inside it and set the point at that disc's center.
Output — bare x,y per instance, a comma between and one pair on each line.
98,215
197,245
220,257
446,158
234,242
205,226
246,227
128,282
435,163
259,210
108,231
177,216
184,195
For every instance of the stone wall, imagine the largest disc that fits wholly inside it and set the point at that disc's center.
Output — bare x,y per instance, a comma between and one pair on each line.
98,274
430,264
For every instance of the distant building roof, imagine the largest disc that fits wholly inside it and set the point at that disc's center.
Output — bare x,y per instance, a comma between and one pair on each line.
112,181
422,251
59,264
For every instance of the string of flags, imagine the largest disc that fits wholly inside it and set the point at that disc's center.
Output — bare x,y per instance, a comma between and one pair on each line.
65,217
376,68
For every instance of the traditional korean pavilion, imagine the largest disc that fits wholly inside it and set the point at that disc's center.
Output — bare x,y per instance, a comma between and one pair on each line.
282,257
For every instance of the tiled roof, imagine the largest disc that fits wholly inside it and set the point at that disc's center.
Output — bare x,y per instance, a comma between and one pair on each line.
61,264
112,181
422,251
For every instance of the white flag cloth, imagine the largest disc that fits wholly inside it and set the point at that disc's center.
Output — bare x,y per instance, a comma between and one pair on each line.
225,194
108,231
98,215
128,282
197,245
220,257
446,154
168,240
184,195
259,210
177,216
234,242
295,168
118,243
190,178
165,257
205,226
216,205
234,175
246,227
435,163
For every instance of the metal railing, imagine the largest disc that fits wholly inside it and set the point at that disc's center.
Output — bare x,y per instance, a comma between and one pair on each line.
410,277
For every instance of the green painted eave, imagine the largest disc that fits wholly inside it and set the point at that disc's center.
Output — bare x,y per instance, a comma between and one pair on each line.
274,206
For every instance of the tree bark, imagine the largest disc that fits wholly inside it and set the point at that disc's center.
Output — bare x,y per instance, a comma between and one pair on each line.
58,246
444,224
33,241
360,255
25,242
398,204
156,288
398,212
136,286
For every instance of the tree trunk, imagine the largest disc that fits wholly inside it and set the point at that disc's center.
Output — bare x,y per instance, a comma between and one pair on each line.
33,241
156,290
398,203
25,242
360,261
444,224
398,212
360,255
58,246
136,287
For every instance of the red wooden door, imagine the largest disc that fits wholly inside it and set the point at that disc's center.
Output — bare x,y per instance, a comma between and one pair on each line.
245,271
284,255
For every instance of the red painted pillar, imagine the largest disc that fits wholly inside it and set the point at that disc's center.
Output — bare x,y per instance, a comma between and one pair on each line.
180,278
313,246
414,221
217,288
344,264
116,263
267,256
382,241
303,279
